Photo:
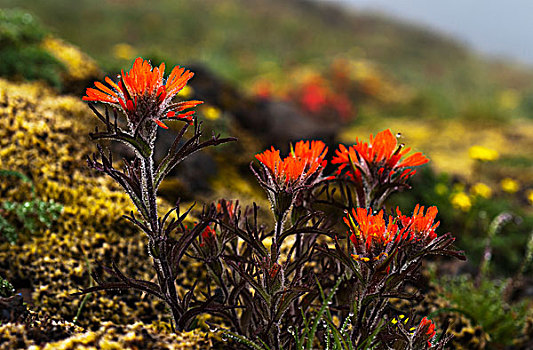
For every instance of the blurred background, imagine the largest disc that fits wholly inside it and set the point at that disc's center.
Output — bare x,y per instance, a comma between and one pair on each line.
454,78
499,29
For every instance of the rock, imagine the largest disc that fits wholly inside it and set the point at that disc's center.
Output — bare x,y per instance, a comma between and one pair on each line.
274,122
12,308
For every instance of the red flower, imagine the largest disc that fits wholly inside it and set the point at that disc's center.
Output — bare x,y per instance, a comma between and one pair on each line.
370,233
314,97
420,226
143,93
284,179
303,162
208,235
382,156
427,327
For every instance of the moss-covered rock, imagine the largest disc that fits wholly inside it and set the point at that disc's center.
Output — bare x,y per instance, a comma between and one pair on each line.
80,69
29,52
43,136
110,336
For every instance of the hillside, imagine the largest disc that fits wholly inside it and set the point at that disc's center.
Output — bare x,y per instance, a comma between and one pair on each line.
243,40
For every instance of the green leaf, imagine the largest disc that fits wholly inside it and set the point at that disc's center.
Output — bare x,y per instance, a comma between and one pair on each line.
243,340
323,308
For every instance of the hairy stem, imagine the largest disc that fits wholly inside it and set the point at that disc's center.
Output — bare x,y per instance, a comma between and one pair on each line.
165,276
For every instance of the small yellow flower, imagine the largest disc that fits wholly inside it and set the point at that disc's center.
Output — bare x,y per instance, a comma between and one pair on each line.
360,257
211,113
402,318
481,189
267,242
530,196
461,201
123,51
186,92
509,185
483,154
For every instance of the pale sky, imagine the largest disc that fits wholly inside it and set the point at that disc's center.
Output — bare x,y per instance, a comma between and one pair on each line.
502,28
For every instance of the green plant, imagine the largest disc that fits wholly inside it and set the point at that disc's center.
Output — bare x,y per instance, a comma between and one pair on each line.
27,217
6,288
486,303
20,52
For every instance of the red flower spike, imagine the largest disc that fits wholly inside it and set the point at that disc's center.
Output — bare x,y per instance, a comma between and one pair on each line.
428,327
421,226
145,83
283,179
305,160
371,233
381,154
371,230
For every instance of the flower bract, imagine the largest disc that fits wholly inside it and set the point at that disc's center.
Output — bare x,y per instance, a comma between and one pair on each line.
381,158
305,160
371,233
143,93
427,329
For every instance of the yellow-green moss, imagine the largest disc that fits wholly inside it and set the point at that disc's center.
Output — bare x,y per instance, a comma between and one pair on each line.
45,136
81,70
107,337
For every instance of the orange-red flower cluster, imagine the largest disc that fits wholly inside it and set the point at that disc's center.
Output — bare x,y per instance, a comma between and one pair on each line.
370,233
420,226
382,156
305,160
428,328
371,230
144,93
